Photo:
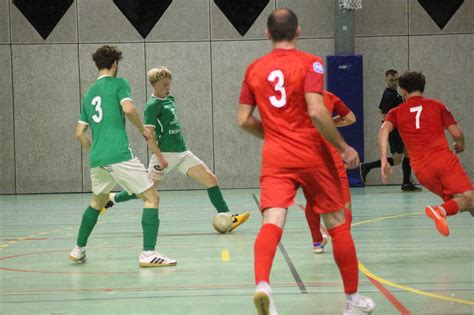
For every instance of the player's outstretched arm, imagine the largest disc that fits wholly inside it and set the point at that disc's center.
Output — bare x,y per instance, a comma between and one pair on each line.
248,122
325,125
385,169
82,137
458,137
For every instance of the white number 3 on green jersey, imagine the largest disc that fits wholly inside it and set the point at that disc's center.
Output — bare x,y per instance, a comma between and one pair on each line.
97,102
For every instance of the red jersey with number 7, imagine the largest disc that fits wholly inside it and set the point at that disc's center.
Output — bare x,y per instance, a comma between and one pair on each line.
277,83
421,123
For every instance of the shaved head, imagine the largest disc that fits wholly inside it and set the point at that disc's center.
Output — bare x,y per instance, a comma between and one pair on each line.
282,25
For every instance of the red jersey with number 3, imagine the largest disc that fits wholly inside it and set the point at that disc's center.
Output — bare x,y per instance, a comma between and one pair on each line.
421,123
277,83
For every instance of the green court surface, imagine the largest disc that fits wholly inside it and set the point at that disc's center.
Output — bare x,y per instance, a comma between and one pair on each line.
413,269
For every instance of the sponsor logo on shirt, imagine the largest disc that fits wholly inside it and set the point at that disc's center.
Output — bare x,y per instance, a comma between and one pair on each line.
174,131
318,67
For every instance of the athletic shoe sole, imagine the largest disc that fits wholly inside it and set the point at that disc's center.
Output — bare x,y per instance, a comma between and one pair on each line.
262,303
147,265
76,260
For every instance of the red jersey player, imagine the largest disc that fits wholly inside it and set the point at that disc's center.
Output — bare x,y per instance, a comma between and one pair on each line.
344,117
287,84
421,122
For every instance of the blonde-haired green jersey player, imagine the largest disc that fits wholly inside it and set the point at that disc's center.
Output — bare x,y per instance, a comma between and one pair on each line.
104,107
161,118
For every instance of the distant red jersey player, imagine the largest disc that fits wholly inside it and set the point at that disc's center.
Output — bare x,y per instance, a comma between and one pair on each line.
343,117
286,85
421,123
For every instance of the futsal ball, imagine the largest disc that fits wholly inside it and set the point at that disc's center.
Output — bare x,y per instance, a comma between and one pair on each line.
222,222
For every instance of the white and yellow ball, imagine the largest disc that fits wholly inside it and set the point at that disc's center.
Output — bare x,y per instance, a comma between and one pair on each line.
222,222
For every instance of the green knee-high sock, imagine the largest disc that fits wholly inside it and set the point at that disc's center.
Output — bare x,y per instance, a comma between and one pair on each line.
124,196
217,200
89,219
150,225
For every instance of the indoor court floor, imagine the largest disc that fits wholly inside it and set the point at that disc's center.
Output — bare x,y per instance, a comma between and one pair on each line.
405,265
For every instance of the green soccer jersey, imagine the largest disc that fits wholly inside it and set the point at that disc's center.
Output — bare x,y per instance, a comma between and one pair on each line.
101,110
161,114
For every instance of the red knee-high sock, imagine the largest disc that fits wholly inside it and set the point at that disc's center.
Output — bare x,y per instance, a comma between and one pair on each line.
264,251
451,207
314,223
345,256
348,214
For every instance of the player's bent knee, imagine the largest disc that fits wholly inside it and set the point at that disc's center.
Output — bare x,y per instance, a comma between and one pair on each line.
212,180
334,219
151,198
275,216
99,201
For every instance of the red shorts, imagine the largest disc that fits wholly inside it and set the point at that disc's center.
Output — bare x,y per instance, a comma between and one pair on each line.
321,187
443,176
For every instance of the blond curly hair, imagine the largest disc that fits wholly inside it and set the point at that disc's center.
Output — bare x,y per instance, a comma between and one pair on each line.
157,74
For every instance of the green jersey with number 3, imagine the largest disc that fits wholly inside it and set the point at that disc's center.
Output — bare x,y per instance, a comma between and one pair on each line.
102,112
161,114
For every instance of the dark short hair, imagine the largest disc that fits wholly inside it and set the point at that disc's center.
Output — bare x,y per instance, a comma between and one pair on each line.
105,56
412,81
282,25
391,72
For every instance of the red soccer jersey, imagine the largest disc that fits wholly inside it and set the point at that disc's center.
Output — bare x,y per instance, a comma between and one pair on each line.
421,123
335,105
277,82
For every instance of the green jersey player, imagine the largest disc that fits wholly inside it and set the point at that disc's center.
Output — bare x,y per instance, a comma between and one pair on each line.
104,107
162,120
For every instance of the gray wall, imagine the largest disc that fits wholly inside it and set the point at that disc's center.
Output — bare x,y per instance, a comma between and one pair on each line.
43,80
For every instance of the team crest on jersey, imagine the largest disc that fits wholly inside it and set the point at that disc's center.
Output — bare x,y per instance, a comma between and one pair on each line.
318,67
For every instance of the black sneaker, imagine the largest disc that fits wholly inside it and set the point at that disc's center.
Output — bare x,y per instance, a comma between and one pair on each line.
410,188
363,171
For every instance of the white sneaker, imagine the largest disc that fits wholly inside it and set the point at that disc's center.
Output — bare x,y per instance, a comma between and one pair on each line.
263,300
78,254
365,305
154,259
318,247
